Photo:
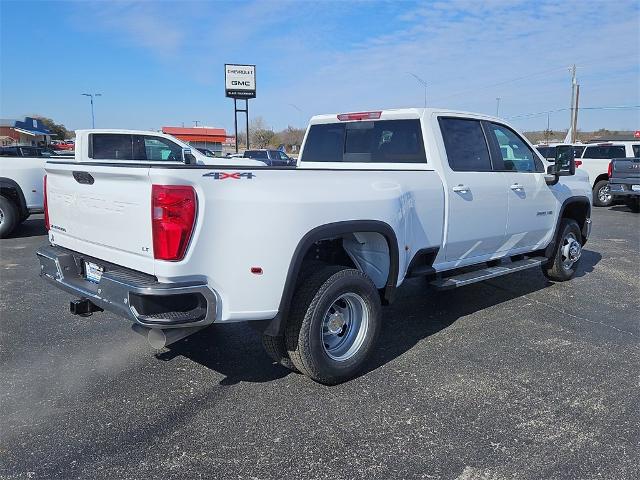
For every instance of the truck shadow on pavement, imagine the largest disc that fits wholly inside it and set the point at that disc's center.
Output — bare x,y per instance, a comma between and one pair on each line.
622,208
235,350
32,227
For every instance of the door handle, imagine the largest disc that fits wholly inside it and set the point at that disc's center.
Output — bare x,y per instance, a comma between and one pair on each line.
516,187
461,188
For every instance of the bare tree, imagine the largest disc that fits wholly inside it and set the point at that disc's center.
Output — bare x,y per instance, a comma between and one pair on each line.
291,136
262,138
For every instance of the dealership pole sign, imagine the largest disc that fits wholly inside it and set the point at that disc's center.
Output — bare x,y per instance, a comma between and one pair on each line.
240,81
240,84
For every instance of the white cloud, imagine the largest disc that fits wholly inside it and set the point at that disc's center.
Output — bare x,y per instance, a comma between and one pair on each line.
470,52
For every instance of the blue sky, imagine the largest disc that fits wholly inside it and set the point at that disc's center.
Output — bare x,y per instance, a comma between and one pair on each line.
161,63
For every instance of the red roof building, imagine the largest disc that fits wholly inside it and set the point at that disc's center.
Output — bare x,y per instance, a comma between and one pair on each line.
200,137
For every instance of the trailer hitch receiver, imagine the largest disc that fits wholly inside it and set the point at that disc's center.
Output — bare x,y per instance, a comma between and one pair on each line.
83,307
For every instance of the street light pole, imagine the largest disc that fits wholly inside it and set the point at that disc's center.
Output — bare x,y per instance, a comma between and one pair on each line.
497,106
93,118
423,83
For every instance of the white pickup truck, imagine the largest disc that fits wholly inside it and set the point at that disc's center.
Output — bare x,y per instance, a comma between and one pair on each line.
313,249
595,161
21,195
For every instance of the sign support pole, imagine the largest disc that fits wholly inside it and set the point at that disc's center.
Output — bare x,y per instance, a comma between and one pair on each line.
235,120
247,113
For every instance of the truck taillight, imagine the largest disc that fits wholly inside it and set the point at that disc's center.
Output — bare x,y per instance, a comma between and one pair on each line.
173,214
45,203
578,163
610,169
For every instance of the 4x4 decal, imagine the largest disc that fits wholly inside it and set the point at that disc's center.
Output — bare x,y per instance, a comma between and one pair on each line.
231,175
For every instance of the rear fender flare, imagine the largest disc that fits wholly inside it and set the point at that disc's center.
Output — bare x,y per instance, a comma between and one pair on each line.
277,324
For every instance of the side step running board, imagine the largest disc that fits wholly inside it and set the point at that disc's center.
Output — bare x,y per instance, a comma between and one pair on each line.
486,273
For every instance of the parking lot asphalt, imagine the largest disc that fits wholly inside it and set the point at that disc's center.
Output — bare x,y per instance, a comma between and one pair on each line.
513,378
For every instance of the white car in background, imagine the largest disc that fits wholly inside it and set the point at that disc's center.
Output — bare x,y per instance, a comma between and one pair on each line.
595,161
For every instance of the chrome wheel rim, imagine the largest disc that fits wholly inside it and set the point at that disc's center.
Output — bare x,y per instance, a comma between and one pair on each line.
1,216
604,193
344,326
570,251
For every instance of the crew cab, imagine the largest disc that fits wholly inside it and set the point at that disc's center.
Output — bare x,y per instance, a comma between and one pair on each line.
624,181
312,250
595,161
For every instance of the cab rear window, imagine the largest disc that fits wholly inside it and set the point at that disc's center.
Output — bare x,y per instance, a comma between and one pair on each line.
381,141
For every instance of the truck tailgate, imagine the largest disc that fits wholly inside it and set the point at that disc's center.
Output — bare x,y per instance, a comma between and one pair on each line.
625,170
103,212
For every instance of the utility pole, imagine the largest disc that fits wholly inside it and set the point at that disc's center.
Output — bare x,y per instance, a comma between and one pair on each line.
575,93
196,122
497,106
547,132
423,83
91,95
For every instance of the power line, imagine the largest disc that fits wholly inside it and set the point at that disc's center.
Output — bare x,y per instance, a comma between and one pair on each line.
537,114
517,79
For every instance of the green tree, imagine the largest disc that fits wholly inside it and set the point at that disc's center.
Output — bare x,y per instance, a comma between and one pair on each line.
59,130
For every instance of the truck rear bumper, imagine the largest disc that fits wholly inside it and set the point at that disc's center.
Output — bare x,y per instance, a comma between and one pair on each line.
128,293
624,190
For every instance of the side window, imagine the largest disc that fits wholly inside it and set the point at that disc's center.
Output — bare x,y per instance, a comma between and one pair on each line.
159,149
515,153
256,154
465,144
110,146
636,151
605,151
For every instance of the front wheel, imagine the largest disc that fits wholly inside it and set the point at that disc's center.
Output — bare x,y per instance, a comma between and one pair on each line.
333,324
602,194
566,254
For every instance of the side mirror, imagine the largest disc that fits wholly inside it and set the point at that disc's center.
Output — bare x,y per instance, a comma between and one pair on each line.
565,160
188,157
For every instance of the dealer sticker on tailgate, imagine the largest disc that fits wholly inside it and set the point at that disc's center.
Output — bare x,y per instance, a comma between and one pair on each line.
93,272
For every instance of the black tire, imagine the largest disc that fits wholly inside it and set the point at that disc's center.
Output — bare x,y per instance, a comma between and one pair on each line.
313,300
560,268
633,204
8,217
600,199
277,351
276,347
